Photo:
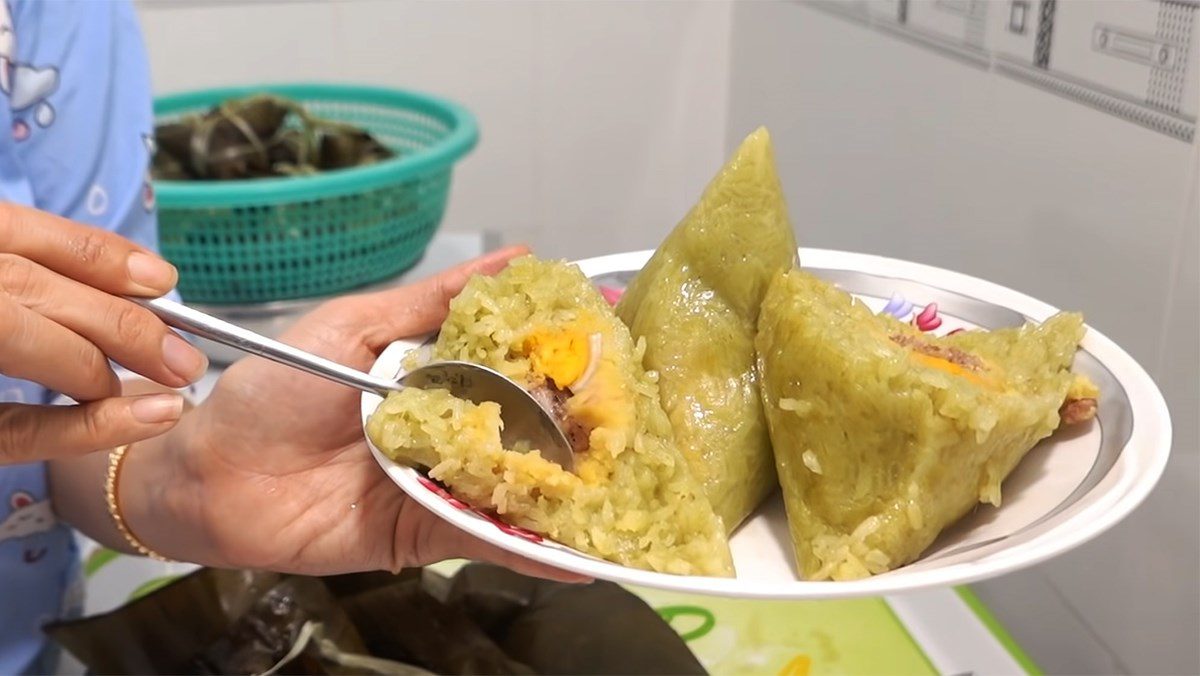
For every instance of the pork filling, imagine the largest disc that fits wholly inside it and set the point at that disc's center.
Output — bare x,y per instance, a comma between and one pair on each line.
554,400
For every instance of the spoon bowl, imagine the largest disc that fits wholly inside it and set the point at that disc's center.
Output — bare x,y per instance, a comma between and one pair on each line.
531,423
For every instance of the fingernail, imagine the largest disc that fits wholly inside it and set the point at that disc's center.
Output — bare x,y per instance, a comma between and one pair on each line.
157,408
183,359
151,272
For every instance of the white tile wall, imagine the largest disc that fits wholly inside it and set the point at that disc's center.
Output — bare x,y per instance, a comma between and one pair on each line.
889,147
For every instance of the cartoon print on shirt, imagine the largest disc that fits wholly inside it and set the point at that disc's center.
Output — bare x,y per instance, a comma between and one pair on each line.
8,48
27,518
28,87
97,200
148,184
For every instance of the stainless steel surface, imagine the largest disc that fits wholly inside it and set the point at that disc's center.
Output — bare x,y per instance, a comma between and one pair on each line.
524,418
530,423
218,330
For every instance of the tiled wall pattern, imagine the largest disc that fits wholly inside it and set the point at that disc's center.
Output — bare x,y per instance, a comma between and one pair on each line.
1135,60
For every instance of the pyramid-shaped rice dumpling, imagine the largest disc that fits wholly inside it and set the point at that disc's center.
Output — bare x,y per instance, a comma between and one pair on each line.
696,303
884,436
632,498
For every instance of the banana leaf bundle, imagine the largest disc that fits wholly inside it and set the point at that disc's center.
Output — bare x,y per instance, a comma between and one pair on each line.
482,620
257,137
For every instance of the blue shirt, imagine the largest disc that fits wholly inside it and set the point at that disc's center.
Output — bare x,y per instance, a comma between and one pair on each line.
76,129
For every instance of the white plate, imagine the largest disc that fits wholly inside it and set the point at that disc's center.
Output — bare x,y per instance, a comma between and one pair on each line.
1066,491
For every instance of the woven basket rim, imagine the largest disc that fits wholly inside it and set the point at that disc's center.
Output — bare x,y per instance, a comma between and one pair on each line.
462,137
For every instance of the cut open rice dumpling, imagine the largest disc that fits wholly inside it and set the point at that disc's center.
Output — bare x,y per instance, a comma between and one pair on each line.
884,436
632,498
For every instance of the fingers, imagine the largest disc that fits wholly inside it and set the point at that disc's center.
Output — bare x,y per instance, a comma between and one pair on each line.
125,332
33,433
35,348
95,257
421,307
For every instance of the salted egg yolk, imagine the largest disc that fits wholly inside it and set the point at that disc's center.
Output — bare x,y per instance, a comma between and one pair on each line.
561,355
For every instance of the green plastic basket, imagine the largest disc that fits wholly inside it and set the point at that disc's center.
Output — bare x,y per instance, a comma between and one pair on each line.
259,240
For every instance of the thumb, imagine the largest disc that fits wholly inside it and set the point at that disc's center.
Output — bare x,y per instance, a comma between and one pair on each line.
421,307
33,433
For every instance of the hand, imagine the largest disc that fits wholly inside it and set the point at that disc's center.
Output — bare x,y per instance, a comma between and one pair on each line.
275,468
61,319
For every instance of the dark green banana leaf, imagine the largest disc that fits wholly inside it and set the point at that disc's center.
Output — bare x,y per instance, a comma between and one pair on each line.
482,620
259,136
555,628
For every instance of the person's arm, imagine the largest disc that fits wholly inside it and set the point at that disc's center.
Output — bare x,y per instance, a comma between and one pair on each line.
77,486
272,471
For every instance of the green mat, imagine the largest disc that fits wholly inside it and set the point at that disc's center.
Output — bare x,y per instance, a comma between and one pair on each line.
792,638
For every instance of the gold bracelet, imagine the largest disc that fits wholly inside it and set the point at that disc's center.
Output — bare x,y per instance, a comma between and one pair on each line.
115,457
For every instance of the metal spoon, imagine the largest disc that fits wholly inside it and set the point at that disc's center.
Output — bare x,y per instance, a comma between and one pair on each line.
524,418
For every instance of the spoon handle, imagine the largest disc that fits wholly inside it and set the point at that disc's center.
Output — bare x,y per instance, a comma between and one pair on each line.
206,326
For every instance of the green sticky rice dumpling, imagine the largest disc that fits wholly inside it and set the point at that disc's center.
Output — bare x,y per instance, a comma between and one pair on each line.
696,304
884,436
632,498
